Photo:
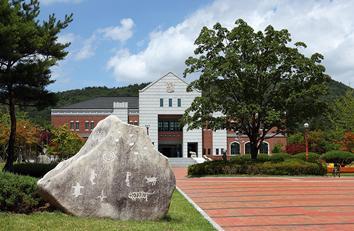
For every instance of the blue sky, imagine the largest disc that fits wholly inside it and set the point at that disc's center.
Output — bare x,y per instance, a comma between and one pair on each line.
90,16
115,43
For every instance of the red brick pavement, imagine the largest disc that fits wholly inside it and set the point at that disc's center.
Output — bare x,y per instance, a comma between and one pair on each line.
273,203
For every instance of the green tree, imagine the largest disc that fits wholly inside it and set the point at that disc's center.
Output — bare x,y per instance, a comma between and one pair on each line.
64,143
342,111
28,48
257,82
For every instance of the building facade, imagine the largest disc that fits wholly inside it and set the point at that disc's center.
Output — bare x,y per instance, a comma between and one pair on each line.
158,109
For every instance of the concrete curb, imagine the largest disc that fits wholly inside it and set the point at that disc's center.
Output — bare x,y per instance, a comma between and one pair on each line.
201,211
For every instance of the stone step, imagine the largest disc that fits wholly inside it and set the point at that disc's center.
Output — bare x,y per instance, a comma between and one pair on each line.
181,162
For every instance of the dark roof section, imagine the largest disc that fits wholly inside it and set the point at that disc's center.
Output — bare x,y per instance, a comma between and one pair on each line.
104,103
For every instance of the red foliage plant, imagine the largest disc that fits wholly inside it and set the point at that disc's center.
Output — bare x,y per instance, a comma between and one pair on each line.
293,149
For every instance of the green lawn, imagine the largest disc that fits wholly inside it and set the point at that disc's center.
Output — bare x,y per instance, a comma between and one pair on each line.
181,216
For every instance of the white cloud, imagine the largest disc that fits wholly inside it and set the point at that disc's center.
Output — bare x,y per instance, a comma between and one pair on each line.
48,2
120,33
59,75
326,27
88,48
67,38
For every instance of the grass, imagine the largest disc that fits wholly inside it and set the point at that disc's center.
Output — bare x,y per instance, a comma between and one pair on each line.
181,216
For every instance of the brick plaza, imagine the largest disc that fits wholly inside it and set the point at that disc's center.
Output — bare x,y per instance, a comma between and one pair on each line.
273,203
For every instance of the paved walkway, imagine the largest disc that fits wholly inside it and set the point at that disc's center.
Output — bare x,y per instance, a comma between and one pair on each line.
273,203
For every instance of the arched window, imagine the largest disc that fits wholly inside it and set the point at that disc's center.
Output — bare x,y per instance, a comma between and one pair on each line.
264,148
235,148
248,148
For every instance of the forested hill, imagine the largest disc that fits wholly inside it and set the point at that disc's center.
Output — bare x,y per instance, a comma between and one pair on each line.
74,96
336,89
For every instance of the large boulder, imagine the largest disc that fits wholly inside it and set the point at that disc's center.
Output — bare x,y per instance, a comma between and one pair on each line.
118,173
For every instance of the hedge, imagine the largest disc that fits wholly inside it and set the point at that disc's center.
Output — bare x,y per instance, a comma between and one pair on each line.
340,157
279,157
33,169
313,157
289,166
19,193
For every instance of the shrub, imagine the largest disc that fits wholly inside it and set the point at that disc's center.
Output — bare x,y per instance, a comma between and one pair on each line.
241,159
244,159
313,157
290,166
279,157
277,148
262,158
33,169
341,157
294,167
18,193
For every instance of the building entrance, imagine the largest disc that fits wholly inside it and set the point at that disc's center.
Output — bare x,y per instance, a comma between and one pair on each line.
192,148
170,135
171,150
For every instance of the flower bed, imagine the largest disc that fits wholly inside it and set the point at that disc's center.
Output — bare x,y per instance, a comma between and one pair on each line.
342,169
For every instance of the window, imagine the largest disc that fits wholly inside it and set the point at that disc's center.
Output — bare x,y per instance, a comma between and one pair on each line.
77,125
178,126
208,151
165,126
204,151
161,102
87,124
72,125
235,148
222,151
264,148
169,126
217,151
172,126
248,148
92,125
179,103
170,102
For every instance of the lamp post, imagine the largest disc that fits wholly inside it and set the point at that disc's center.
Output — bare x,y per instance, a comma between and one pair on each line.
147,128
306,126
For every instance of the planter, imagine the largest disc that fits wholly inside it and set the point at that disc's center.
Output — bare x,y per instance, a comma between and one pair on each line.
342,169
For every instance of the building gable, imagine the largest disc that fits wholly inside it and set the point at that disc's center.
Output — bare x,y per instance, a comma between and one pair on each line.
169,82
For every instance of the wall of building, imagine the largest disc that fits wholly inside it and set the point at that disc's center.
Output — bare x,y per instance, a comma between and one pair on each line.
133,119
219,142
120,109
208,141
60,120
272,142
167,87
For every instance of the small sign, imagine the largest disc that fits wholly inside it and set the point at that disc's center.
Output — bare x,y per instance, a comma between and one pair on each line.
170,87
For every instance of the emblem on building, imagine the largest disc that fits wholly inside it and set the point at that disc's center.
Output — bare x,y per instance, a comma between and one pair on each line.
170,87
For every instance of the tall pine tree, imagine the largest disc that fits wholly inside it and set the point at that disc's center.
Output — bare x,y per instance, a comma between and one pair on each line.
28,48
